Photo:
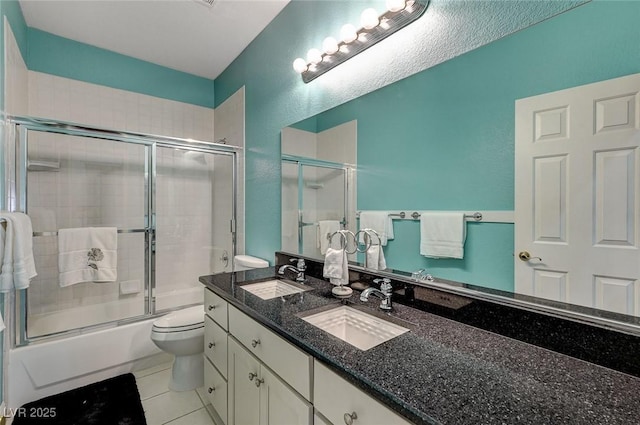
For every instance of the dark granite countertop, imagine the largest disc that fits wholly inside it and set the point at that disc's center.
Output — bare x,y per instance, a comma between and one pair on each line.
443,371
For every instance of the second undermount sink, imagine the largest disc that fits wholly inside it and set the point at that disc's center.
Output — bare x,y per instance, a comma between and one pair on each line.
362,330
273,289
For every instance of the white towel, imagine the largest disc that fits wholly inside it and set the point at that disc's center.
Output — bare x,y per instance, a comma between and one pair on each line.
380,221
325,229
442,234
87,254
17,266
375,258
336,266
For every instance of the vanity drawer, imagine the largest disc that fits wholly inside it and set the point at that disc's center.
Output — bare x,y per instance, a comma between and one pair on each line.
215,345
334,397
290,363
215,387
216,308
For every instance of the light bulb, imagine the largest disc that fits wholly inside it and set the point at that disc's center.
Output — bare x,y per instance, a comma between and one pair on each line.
348,33
330,45
396,5
369,18
314,56
300,65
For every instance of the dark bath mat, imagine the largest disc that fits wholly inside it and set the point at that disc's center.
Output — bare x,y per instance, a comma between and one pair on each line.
114,401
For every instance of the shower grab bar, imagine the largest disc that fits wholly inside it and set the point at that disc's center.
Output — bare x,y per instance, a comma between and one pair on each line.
499,216
119,231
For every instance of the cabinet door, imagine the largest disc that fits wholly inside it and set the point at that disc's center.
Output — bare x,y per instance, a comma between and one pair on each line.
337,399
215,345
216,388
244,395
279,404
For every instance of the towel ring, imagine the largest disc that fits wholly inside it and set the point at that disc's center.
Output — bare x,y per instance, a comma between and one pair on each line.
367,240
368,232
343,239
355,241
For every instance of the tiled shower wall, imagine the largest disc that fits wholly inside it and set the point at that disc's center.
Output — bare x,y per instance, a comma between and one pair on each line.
193,229
107,189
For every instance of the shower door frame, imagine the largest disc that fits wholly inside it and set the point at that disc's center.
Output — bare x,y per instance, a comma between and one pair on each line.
301,162
16,183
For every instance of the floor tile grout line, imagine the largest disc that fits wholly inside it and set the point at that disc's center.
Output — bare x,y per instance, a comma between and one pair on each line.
182,416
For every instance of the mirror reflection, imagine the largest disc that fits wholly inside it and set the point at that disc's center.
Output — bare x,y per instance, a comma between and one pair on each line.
538,130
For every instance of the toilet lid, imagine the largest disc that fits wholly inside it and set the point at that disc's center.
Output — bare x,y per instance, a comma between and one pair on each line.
188,317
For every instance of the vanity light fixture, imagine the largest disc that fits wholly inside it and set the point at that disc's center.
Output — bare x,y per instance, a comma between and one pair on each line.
352,41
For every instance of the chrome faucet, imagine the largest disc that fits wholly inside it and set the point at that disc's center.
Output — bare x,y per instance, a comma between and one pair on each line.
299,269
384,293
421,275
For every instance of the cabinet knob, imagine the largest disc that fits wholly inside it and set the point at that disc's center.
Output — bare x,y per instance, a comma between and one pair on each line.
252,375
211,345
211,307
258,382
350,417
210,390
255,343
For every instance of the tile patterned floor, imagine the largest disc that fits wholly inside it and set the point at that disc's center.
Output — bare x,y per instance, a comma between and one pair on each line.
165,407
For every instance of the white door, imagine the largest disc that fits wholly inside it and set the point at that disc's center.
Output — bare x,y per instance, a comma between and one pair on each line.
577,201
244,395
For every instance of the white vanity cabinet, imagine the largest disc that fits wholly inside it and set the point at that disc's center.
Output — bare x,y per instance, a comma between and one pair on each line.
342,403
215,352
254,376
257,396
291,364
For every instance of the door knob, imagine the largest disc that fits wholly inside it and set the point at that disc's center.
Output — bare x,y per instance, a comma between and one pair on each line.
525,256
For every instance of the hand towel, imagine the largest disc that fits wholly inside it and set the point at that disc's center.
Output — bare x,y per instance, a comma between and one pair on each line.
325,229
16,251
375,258
336,266
380,221
87,254
442,234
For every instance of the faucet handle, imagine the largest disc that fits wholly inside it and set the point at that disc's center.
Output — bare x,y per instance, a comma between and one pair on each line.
385,285
301,265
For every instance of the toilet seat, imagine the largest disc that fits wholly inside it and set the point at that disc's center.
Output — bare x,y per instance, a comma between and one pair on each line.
180,321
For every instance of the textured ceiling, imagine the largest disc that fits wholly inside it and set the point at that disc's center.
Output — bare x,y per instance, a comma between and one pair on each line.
185,35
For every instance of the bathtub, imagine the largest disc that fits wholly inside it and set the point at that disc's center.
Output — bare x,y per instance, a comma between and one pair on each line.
52,367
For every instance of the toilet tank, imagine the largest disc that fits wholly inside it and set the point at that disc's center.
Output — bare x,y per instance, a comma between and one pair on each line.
247,262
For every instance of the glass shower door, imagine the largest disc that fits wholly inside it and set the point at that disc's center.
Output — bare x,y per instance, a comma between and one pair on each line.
82,182
311,192
194,209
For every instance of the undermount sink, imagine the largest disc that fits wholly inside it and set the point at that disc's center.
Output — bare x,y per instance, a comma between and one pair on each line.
359,329
273,289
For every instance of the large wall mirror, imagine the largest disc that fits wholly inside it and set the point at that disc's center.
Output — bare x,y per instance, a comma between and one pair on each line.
542,125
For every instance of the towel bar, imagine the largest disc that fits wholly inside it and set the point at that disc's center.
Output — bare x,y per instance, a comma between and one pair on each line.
119,231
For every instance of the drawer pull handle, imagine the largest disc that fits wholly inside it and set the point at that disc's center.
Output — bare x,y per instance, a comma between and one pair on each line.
258,382
350,417
210,390
211,345
211,307
252,375
255,343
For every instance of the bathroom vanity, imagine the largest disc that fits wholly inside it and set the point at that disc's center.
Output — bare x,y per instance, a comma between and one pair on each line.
267,364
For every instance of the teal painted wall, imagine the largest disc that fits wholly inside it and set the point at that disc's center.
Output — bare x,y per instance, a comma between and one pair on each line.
449,129
63,57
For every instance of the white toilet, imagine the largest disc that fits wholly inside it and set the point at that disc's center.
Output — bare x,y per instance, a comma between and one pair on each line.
181,333
247,262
